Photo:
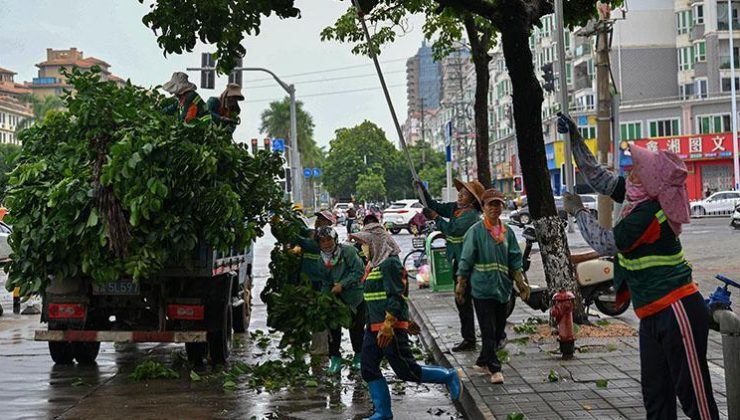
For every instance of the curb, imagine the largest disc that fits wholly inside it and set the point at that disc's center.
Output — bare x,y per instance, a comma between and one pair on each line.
472,403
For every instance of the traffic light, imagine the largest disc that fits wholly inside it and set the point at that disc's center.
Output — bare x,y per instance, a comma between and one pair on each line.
207,77
267,143
518,184
549,77
254,146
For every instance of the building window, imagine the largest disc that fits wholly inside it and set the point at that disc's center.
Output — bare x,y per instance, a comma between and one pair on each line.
631,130
698,14
569,73
664,128
683,21
686,91
585,103
727,86
700,51
708,124
567,40
723,21
685,58
587,131
701,88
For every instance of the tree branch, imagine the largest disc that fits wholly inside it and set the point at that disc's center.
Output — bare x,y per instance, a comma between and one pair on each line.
479,7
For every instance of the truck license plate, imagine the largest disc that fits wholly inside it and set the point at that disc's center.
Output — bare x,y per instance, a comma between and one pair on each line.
120,287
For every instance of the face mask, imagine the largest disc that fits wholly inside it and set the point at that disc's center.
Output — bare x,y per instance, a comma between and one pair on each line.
366,250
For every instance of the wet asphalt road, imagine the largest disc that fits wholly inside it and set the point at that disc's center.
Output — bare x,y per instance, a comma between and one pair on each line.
32,387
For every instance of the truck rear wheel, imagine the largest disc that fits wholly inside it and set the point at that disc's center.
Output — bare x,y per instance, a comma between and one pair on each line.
61,352
219,331
86,352
196,352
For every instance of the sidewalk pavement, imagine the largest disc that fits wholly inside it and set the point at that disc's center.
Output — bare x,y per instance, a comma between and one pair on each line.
527,389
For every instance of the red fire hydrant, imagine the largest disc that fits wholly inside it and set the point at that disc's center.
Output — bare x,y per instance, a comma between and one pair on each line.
562,313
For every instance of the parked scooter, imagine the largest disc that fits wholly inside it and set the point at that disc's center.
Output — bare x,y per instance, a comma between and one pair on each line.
735,220
594,275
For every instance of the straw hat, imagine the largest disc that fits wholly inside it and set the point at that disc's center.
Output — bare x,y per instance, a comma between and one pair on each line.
492,195
179,84
473,187
233,91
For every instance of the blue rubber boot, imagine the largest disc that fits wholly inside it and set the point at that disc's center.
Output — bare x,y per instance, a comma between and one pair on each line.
449,377
381,397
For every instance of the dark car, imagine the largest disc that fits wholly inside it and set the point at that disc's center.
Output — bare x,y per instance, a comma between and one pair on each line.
522,215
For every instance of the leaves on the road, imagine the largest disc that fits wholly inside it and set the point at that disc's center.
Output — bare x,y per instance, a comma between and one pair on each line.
553,376
152,369
602,383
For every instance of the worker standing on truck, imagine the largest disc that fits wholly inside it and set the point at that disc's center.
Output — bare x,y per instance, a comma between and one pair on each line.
342,271
461,215
651,268
225,109
386,335
190,105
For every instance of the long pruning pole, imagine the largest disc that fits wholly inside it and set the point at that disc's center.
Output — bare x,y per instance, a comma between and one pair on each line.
414,175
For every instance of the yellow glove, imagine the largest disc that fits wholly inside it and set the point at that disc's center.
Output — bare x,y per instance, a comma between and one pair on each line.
462,283
522,285
296,250
385,334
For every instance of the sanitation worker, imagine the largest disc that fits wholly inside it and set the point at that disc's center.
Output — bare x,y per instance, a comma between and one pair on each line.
491,261
460,215
190,105
342,271
386,335
225,109
652,270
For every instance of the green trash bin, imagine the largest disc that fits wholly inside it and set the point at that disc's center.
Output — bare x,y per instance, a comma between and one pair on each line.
441,279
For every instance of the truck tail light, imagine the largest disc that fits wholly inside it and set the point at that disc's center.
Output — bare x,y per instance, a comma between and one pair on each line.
66,311
186,312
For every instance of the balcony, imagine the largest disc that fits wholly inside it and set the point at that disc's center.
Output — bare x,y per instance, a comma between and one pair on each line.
583,49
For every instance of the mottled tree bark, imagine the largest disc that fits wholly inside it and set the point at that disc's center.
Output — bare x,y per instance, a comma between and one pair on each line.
479,44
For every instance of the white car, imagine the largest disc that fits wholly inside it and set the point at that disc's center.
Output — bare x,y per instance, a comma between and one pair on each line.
399,214
5,250
340,212
722,202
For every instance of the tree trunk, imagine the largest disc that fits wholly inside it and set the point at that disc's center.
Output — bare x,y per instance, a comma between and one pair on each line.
479,43
527,98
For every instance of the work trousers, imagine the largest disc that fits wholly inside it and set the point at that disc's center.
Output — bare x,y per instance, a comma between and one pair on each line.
492,321
673,358
356,333
398,353
465,310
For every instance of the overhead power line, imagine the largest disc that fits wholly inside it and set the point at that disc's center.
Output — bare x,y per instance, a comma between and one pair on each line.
338,92
331,79
329,70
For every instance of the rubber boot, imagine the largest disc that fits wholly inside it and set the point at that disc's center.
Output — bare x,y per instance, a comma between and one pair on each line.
449,377
381,397
335,365
356,362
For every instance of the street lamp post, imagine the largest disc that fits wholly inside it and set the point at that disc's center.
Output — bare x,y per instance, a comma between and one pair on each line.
295,158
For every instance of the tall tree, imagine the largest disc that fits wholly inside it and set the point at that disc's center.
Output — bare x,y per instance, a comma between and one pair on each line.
447,29
8,158
371,185
355,150
40,107
514,21
276,123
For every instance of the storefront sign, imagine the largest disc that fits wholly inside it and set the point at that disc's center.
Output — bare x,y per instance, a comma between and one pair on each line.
695,147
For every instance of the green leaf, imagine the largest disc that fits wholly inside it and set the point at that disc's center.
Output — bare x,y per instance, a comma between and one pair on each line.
229,385
553,376
311,383
515,416
92,220
602,383
194,376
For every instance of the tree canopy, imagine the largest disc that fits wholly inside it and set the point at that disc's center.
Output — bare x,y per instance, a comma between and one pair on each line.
275,122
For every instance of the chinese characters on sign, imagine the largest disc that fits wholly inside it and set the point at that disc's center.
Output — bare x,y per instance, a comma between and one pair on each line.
691,147
674,145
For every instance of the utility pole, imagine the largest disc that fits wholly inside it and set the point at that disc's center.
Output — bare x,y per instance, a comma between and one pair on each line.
423,140
604,112
563,99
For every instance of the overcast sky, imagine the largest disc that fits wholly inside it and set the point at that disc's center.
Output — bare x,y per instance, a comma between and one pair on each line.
112,30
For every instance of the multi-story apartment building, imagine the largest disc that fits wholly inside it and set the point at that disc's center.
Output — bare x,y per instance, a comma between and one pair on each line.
657,39
423,89
51,81
8,86
12,114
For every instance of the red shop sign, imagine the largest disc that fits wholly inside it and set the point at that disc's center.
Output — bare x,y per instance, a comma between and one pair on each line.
700,146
